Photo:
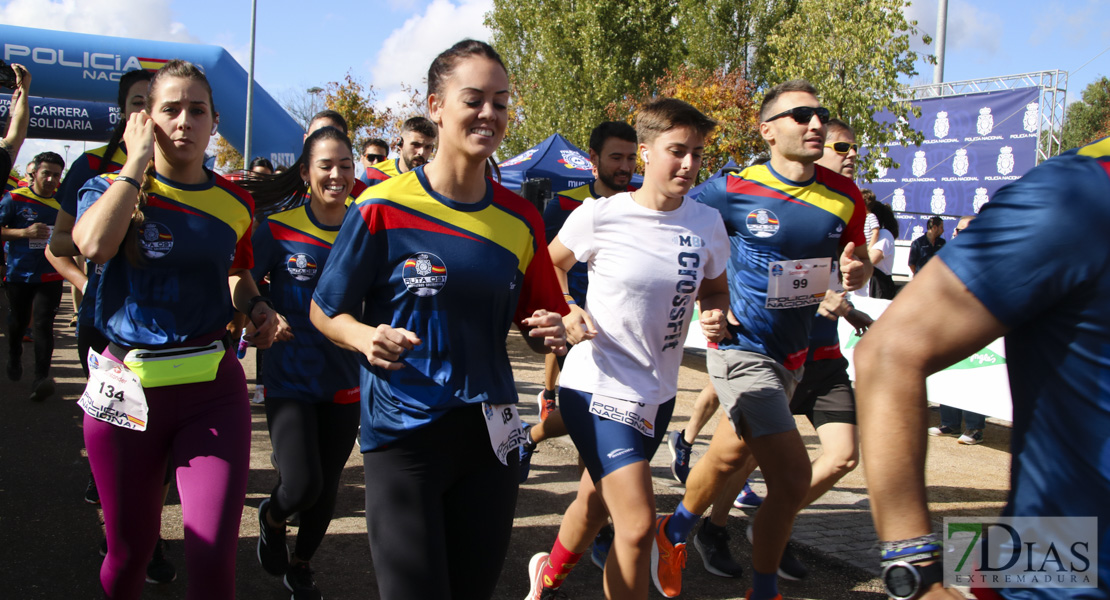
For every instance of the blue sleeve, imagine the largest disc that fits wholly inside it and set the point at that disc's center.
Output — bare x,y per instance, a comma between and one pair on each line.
553,218
1020,256
352,264
265,249
79,172
91,192
715,195
6,211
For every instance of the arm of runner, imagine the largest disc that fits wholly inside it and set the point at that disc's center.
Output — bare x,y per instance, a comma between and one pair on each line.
37,231
68,268
934,322
20,111
713,300
382,345
270,325
61,241
545,332
577,324
855,266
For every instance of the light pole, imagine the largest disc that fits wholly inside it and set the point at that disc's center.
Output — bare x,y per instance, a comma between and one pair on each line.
67,153
250,91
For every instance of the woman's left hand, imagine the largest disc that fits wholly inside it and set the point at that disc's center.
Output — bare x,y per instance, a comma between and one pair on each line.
270,326
549,326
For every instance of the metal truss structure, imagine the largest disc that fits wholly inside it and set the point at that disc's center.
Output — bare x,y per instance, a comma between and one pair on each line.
1053,100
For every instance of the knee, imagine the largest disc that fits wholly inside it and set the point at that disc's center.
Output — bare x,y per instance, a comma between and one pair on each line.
301,494
637,532
844,463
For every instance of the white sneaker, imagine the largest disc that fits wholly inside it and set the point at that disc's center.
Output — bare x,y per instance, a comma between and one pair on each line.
259,396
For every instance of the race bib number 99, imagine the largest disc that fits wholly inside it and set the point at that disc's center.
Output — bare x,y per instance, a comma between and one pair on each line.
795,283
113,394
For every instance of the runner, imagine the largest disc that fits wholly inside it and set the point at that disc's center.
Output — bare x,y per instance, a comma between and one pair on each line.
651,253
173,238
311,384
415,146
787,220
445,261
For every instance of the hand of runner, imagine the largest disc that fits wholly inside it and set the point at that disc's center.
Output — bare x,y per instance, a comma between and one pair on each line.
579,326
851,268
272,328
37,231
139,138
549,326
387,344
834,304
713,325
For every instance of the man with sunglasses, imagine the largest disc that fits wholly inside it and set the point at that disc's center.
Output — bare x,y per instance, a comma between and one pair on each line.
840,149
788,220
416,146
374,151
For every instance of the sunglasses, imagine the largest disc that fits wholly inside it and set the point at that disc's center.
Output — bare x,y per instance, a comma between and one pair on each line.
842,148
375,157
803,114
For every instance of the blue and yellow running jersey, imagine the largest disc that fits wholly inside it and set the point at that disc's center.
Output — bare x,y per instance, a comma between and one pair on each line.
192,235
19,209
292,247
457,275
770,218
382,171
1036,258
13,181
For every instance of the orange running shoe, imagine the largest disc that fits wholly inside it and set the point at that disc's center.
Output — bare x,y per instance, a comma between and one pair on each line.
546,406
667,561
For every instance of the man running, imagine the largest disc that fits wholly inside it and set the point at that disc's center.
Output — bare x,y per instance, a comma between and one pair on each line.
416,146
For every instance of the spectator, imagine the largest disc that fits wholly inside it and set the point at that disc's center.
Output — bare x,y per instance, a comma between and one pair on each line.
924,247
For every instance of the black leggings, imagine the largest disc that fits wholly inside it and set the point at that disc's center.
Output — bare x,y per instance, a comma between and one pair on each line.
439,510
37,304
311,441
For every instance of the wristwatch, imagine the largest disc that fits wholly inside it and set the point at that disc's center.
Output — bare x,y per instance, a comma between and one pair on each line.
256,301
905,581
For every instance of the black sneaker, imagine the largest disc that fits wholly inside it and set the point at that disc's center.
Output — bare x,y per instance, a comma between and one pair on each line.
42,389
789,566
91,495
298,579
712,543
160,570
273,554
15,368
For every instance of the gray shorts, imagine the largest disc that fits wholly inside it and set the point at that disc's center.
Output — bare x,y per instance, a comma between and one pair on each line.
754,390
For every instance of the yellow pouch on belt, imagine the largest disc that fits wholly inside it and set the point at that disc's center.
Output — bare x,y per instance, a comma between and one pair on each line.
174,366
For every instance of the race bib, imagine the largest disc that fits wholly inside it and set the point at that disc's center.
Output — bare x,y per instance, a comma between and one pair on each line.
40,243
503,425
794,283
636,415
114,394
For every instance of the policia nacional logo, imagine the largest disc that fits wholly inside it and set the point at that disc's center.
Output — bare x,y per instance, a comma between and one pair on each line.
301,266
424,274
155,240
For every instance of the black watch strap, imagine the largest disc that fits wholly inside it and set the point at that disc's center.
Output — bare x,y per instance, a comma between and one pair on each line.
255,301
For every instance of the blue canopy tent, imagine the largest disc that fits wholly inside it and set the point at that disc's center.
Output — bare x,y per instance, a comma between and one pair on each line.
697,189
554,158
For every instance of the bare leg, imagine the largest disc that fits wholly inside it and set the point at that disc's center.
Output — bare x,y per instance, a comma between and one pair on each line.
839,456
704,407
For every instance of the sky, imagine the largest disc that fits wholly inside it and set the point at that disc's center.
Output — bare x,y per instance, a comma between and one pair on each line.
388,43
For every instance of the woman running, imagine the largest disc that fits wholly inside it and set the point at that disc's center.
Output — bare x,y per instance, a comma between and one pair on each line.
650,254
174,239
311,384
445,261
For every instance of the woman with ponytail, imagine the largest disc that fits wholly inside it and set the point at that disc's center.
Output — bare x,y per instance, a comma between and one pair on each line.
174,239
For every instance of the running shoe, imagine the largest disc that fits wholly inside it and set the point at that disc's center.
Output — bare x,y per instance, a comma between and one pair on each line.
259,396
602,544
747,498
942,430
547,405
712,543
273,554
41,389
789,566
536,590
680,452
28,336
91,495
526,450
971,437
159,569
15,368
667,561
73,320
299,580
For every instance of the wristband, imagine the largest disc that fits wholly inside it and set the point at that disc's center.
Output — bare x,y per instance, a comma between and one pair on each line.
255,302
127,179
569,301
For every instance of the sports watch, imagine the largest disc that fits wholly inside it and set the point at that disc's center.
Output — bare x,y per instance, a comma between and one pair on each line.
905,581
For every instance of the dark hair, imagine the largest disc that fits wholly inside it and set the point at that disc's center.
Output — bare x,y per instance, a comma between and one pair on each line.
794,85
444,65
421,125
52,158
664,114
760,159
286,190
934,221
838,125
261,161
611,129
868,197
175,68
126,80
884,214
375,142
331,115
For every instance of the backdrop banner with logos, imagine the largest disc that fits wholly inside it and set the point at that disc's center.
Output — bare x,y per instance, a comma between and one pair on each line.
974,144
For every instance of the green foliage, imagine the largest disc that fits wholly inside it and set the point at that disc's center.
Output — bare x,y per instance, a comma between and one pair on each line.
731,34
1088,119
853,52
228,159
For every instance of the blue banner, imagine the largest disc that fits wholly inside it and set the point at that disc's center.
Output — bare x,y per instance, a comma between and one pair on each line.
54,119
974,144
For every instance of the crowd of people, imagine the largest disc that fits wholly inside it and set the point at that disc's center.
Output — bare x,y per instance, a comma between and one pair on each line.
385,303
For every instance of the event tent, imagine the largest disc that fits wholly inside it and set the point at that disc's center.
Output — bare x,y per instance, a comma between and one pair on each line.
556,159
697,189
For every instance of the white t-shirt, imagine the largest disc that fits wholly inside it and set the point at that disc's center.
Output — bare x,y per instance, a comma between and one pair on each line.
645,268
885,243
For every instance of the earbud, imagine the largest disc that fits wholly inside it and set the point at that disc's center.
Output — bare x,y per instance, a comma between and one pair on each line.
214,126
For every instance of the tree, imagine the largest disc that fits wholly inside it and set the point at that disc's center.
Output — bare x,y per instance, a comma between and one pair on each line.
1088,119
303,103
569,59
731,34
854,52
227,157
723,96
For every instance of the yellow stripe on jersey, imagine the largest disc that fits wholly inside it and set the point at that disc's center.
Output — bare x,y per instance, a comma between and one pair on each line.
298,219
814,194
492,223
214,201
579,193
27,193
389,167
1097,149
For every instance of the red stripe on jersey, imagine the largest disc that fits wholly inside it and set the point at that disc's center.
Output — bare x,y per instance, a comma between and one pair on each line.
568,204
381,217
51,277
739,185
236,191
348,396
1105,166
358,188
827,352
796,360
375,174
288,234
157,202
244,252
